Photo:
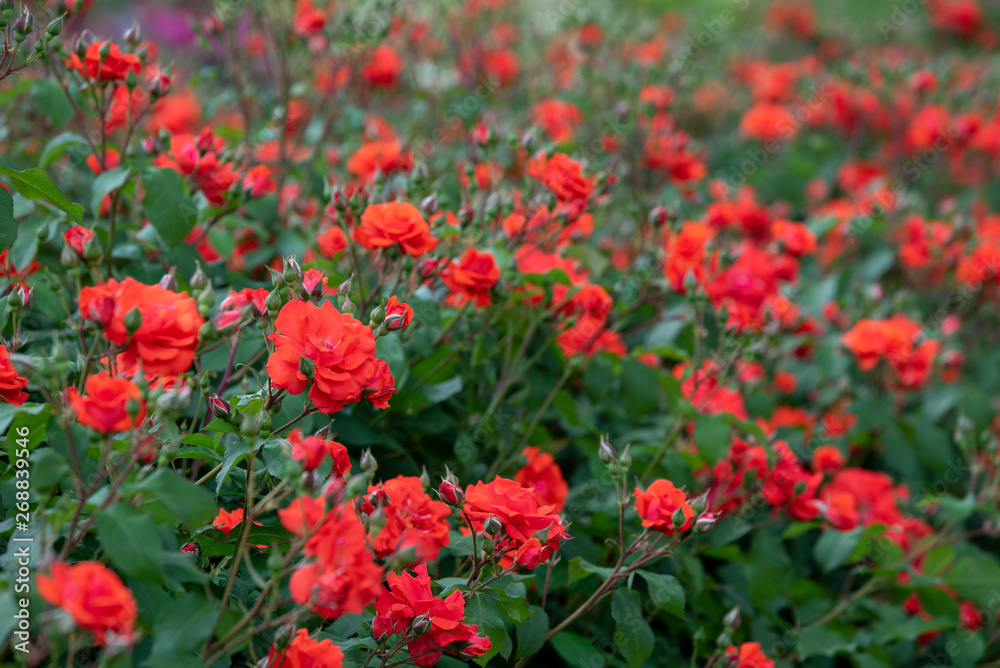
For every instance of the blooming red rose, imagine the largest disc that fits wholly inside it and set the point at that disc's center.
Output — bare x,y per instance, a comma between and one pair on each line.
749,655
258,181
384,67
331,242
94,597
342,577
562,175
114,66
310,451
658,505
518,509
304,652
104,406
543,475
827,458
384,225
471,277
11,382
340,347
407,597
165,341
413,520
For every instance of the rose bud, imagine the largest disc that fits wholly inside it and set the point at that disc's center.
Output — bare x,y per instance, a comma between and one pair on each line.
451,493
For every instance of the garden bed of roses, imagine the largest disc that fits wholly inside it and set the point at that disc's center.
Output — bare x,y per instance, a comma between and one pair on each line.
499,333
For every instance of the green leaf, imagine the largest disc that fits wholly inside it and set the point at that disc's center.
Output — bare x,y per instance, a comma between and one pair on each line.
712,435
821,641
938,559
36,184
976,578
58,146
107,182
482,611
167,206
182,627
52,101
633,636
193,505
531,633
219,424
8,225
579,568
48,469
835,547
439,392
27,429
666,592
577,651
236,452
132,541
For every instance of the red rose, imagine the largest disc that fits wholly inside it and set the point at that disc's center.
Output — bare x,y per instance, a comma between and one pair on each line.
518,510
311,450
471,277
304,652
407,597
94,597
11,382
413,520
544,476
105,403
399,313
341,348
749,655
384,225
343,578
166,339
381,387
114,66
658,504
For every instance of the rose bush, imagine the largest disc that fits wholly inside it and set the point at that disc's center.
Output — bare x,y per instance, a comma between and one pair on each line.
351,334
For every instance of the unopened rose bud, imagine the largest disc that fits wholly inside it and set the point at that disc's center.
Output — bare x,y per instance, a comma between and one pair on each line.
131,80
273,303
199,280
451,493
133,321
93,252
105,50
189,548
429,205
492,526
24,24
378,498
706,522
134,34
658,216
626,458
732,619
169,281
679,518
346,287
425,478
381,628
368,461
292,272
348,307
377,315
699,504
220,408
420,625
607,452
307,367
